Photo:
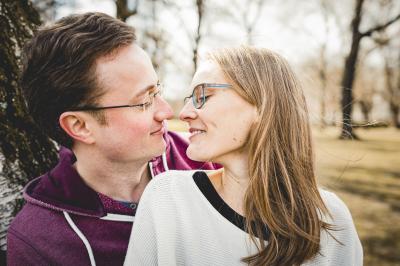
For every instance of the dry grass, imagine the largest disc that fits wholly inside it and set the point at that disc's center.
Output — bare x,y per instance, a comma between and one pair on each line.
366,175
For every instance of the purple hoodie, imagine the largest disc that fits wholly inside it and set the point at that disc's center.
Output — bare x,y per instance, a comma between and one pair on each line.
65,222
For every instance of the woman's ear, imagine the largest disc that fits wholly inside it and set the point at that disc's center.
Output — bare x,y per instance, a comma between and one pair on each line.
76,125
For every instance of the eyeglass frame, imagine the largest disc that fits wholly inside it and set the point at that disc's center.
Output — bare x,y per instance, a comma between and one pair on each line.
203,86
143,105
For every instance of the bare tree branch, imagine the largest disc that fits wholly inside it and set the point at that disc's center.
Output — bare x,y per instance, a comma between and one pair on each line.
380,27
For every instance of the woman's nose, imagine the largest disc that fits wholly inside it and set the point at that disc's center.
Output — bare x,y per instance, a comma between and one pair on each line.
188,111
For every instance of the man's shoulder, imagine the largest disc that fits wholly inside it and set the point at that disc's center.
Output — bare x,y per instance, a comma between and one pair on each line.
36,231
31,232
34,220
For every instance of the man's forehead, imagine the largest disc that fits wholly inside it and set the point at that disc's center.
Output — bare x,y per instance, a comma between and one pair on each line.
130,70
126,55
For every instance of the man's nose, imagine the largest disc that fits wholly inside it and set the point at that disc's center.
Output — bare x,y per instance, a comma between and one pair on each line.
164,110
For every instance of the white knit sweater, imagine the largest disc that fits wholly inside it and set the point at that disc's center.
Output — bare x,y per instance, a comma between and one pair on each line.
176,224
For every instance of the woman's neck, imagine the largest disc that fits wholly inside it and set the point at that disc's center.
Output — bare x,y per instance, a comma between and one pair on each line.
231,183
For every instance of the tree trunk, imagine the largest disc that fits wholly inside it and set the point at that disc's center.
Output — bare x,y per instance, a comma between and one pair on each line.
200,13
25,152
123,10
350,66
324,82
366,107
394,109
349,75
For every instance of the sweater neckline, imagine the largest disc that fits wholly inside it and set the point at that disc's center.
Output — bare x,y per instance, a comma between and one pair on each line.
203,182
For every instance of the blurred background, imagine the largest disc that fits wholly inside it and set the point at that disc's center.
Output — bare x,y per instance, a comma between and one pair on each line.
346,52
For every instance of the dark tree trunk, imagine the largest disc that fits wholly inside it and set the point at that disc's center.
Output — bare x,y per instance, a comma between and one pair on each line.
350,66
395,104
324,82
366,108
395,114
124,11
200,13
349,75
25,152
393,89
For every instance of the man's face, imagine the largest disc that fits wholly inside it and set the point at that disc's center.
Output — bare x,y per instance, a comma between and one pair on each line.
131,134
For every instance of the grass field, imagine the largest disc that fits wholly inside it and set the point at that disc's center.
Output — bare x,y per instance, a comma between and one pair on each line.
366,176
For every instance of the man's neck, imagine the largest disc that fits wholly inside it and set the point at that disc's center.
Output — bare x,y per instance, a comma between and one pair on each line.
119,181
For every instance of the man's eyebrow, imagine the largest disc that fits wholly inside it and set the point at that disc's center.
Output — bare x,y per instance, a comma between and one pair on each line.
144,90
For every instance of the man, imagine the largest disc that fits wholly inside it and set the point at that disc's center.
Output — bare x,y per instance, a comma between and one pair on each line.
93,90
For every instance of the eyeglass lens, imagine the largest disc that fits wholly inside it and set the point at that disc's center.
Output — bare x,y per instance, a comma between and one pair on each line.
198,96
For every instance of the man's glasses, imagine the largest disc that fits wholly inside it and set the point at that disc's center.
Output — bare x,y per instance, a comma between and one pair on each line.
199,93
148,102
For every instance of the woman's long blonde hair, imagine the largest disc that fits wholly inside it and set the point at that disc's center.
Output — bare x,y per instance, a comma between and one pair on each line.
282,192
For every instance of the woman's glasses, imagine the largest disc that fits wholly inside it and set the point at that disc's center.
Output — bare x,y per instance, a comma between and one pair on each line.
199,93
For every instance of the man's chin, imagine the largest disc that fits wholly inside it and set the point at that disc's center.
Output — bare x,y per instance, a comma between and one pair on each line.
160,149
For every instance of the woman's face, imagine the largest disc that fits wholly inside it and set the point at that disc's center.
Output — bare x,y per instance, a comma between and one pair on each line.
220,128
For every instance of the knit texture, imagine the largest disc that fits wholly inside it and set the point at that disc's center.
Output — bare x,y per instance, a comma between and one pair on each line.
175,224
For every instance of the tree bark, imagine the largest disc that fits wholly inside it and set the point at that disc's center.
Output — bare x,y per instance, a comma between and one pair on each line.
349,75
350,66
394,109
197,39
25,152
366,108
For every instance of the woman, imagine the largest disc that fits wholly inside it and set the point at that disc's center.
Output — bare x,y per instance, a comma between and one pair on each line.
247,112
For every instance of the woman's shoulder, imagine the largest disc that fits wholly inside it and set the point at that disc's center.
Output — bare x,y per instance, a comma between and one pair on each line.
340,244
172,176
163,182
168,190
337,208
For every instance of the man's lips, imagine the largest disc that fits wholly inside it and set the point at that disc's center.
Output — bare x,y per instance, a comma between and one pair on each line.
159,131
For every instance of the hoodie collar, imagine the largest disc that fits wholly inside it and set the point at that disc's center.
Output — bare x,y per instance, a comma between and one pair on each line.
63,189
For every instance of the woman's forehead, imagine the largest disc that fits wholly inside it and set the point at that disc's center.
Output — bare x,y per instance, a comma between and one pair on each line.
208,72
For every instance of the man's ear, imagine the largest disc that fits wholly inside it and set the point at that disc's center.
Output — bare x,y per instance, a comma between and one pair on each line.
76,126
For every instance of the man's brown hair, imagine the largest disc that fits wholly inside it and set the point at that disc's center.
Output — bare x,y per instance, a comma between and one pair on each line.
59,66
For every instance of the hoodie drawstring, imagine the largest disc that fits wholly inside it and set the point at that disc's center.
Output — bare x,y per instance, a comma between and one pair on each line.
108,217
82,237
164,159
